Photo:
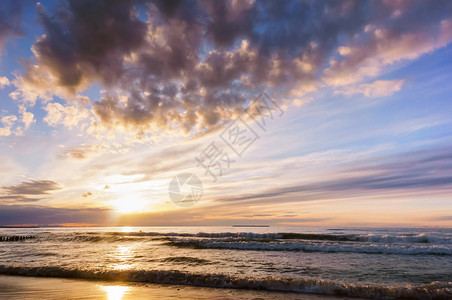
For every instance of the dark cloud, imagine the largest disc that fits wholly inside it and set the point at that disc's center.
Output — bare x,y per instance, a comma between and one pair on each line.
33,214
87,40
169,7
193,64
229,21
10,12
34,187
25,191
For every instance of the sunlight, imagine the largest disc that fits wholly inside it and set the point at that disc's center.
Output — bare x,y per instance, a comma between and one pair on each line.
127,229
122,257
115,292
129,204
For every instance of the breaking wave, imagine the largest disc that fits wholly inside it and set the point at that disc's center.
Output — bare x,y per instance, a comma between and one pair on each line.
434,290
311,247
422,238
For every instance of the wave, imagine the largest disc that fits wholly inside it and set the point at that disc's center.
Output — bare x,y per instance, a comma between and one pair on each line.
89,238
311,247
403,238
406,238
434,290
94,237
185,260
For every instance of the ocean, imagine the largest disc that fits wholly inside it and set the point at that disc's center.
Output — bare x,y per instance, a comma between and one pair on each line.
355,262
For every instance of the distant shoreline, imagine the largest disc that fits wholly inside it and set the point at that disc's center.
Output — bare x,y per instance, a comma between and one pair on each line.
20,227
250,226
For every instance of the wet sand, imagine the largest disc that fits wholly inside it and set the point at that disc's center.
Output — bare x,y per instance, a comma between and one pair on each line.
19,287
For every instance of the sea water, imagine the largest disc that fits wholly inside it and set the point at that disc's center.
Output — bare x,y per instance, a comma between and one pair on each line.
357,262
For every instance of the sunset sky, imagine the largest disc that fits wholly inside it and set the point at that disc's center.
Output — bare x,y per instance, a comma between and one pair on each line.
103,103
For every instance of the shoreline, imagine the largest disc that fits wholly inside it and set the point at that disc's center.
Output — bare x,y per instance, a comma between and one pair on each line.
296,286
27,287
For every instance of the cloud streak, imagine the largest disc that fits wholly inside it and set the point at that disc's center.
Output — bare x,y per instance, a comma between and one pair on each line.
27,191
409,173
378,88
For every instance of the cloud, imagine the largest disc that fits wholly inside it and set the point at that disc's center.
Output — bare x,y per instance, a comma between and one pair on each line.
410,173
82,152
85,151
383,42
415,125
441,218
26,191
8,122
191,65
10,12
34,214
69,115
40,215
378,88
86,195
4,81
27,118
34,187
15,198
302,101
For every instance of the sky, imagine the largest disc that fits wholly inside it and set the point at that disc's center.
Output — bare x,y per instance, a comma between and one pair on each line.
287,113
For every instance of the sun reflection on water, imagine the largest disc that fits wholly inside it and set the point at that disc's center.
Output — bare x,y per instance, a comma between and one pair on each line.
122,256
115,292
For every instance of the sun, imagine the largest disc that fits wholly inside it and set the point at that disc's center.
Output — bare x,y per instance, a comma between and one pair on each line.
129,204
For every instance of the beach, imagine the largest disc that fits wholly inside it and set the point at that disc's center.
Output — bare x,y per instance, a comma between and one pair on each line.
20,287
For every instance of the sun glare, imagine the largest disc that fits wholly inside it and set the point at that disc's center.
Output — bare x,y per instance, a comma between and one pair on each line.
127,205
127,229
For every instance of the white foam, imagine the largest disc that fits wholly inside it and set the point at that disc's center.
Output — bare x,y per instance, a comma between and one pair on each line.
316,247
287,284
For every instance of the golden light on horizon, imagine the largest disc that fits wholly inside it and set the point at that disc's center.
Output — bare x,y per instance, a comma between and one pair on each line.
127,229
